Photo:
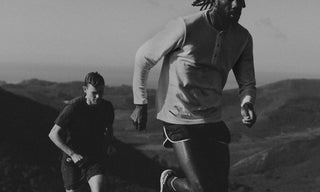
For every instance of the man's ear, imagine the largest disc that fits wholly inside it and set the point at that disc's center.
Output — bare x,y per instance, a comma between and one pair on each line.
84,89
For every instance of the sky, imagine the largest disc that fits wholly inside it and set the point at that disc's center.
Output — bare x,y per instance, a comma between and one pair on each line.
62,40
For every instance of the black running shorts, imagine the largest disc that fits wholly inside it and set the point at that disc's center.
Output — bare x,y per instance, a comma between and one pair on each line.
174,133
74,177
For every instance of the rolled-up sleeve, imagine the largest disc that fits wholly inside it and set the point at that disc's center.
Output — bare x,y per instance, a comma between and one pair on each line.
148,55
244,73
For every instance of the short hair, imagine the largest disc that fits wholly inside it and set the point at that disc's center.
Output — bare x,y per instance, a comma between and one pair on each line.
204,4
94,78
207,4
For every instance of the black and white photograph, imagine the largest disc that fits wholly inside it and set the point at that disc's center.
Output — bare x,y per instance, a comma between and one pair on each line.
159,96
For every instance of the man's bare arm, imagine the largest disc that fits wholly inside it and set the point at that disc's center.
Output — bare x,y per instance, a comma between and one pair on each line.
56,137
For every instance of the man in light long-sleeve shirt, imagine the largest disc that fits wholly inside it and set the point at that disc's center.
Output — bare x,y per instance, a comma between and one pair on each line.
199,51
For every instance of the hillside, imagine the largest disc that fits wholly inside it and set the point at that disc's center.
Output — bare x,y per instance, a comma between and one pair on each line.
24,121
278,154
282,107
55,94
30,162
287,163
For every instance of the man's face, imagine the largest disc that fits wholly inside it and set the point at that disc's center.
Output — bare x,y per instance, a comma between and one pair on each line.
230,9
93,94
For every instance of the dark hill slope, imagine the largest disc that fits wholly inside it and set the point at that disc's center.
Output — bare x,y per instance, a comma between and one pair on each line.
28,161
25,121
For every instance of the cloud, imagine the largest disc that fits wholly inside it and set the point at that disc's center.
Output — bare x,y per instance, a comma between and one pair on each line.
268,27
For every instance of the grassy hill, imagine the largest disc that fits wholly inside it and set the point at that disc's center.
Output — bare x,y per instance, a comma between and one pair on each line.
55,94
288,163
286,111
29,162
282,107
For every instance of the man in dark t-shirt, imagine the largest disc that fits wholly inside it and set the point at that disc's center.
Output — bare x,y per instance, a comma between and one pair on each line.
83,131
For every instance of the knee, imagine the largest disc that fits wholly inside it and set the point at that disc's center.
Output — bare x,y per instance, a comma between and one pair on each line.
97,184
99,188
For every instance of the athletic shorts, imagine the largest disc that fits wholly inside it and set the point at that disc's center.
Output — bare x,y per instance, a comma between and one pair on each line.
174,133
74,176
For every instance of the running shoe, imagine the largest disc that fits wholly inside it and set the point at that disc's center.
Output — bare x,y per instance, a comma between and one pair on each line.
164,178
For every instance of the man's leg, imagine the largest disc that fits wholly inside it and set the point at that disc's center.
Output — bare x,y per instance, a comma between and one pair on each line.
72,177
97,183
187,160
205,164
217,160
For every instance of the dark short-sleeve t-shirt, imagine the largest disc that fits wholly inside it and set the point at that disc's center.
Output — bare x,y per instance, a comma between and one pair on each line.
85,125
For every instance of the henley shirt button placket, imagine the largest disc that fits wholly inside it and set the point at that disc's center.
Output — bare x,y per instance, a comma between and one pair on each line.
217,47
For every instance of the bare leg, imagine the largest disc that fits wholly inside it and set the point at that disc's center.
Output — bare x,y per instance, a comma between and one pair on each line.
97,183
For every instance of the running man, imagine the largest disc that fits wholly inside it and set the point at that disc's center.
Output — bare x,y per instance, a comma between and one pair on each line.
198,52
83,131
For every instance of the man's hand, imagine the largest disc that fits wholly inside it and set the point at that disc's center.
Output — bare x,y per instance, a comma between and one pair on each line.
248,115
139,117
76,157
79,160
